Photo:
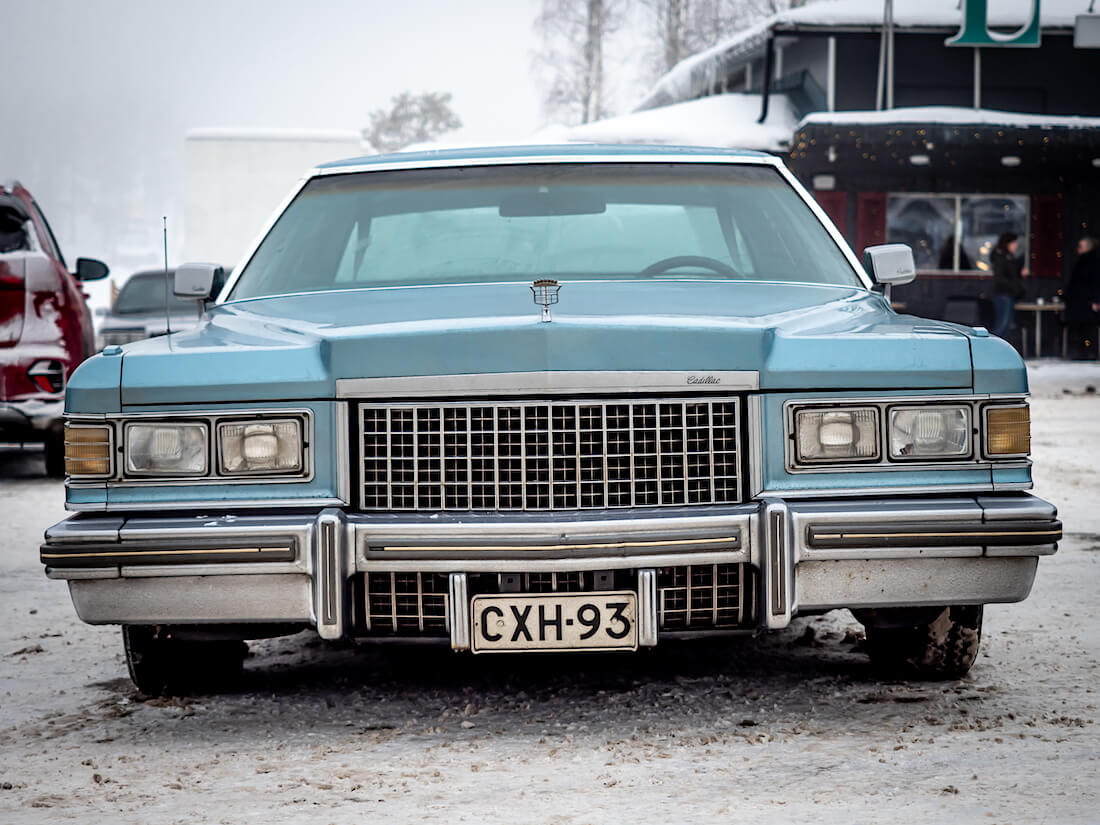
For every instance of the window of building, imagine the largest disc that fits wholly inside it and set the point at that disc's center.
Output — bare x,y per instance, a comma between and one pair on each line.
955,233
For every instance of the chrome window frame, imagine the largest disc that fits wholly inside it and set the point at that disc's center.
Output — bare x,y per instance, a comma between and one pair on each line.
976,460
118,423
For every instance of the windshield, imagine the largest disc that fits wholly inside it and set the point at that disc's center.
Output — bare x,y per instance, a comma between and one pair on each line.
562,221
144,294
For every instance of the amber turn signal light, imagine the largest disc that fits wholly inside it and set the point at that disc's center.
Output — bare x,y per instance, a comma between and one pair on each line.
1008,431
87,450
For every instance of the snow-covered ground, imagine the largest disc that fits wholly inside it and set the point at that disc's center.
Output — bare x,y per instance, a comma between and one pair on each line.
785,728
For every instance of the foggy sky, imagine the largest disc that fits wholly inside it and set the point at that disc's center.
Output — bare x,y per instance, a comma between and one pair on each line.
98,94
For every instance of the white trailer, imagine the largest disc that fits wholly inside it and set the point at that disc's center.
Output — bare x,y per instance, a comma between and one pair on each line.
234,179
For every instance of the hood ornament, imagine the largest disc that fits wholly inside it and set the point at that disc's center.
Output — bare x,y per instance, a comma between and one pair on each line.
545,291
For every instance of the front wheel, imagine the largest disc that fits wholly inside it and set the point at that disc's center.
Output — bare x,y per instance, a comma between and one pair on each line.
159,663
942,646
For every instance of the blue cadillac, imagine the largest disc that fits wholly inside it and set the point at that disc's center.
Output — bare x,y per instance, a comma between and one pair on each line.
544,399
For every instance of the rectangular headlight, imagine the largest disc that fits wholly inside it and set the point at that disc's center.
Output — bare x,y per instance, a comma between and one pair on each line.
271,446
165,448
930,431
87,450
836,435
1007,431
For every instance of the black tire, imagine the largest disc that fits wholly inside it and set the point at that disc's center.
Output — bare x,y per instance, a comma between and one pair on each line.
54,445
944,647
160,664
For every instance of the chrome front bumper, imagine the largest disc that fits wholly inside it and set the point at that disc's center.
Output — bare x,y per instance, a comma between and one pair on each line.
807,556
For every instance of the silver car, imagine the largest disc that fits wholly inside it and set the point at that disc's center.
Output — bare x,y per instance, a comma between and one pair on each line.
139,310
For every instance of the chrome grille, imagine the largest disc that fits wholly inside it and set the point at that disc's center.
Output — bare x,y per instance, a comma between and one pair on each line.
406,603
555,455
701,596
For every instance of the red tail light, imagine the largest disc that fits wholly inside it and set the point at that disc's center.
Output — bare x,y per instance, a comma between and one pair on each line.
48,375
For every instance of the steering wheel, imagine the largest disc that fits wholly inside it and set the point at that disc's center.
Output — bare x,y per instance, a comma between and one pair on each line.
677,261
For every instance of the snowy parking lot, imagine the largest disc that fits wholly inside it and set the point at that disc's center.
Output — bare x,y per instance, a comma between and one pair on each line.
789,727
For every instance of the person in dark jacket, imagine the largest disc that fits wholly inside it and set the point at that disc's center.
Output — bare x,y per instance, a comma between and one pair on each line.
1082,295
1008,282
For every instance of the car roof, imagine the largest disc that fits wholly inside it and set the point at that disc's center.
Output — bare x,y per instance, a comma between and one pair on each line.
550,153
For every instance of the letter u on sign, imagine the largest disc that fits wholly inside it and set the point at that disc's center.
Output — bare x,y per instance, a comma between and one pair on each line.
975,28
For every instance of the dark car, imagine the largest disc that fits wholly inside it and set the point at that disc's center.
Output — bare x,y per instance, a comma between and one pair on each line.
45,326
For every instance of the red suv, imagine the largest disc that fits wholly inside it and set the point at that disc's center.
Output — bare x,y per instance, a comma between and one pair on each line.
45,326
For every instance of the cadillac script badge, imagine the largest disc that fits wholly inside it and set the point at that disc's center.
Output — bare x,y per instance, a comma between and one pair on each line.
545,291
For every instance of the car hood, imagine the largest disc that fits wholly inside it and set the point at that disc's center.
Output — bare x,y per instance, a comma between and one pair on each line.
794,336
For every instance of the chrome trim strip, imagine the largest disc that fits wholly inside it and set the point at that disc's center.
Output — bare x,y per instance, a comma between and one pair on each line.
754,444
399,163
647,608
556,383
458,611
777,563
521,564
328,576
343,452
204,504
916,490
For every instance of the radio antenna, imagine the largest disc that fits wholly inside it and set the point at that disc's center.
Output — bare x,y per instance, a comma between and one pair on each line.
167,306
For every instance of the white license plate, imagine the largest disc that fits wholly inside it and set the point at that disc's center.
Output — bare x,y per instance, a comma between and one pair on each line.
556,621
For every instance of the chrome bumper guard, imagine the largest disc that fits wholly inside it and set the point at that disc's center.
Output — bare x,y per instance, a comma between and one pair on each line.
808,556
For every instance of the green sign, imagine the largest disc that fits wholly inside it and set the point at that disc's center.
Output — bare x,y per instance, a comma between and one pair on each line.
975,28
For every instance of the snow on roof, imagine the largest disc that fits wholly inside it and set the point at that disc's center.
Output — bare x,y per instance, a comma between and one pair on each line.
727,121
314,135
695,75
950,115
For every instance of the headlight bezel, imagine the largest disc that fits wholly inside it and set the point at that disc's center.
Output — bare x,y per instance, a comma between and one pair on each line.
220,441
976,456
824,410
129,438
120,424
968,414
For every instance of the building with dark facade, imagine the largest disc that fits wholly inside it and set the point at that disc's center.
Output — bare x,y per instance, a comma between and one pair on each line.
905,136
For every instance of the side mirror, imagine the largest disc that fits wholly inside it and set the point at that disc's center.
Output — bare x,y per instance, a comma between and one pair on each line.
196,281
890,263
100,312
89,269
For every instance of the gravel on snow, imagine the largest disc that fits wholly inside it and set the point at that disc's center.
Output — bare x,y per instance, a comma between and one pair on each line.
792,726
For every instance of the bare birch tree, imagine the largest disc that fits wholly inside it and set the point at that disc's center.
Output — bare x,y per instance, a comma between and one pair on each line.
681,28
570,62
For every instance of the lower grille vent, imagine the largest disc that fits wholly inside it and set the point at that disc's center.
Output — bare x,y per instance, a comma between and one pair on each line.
689,597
